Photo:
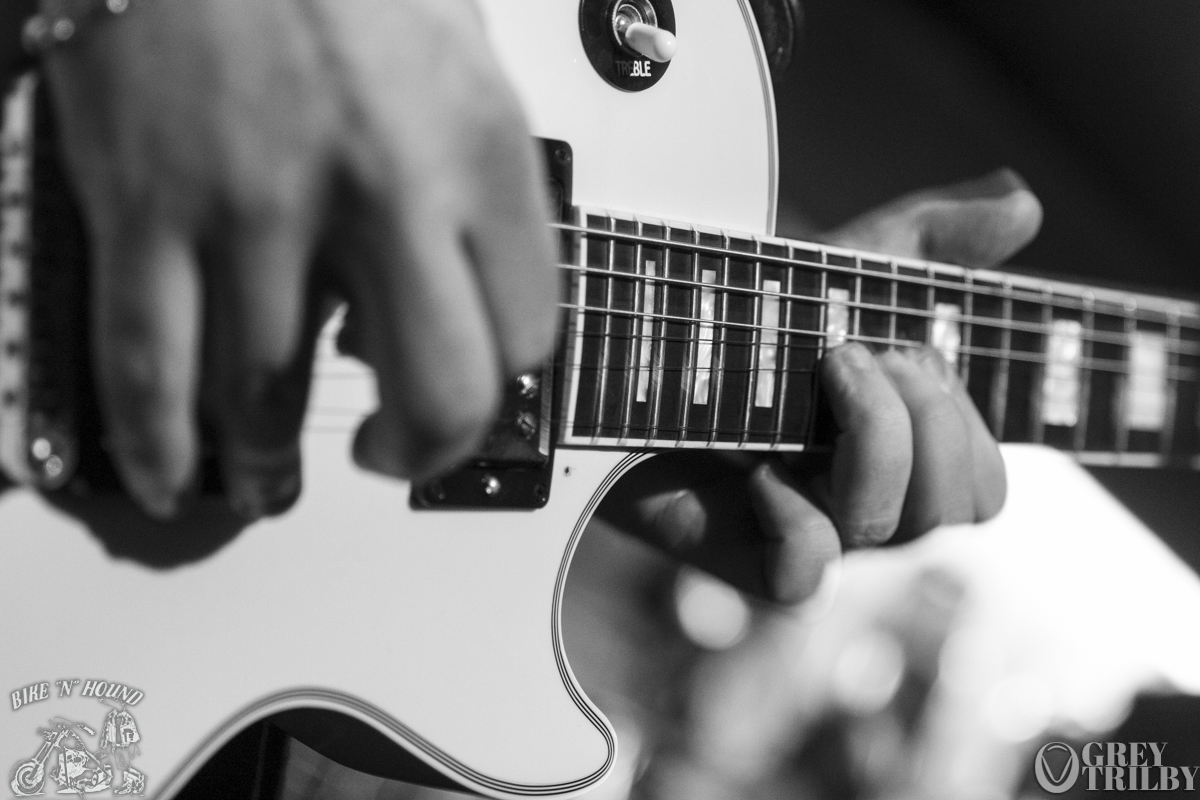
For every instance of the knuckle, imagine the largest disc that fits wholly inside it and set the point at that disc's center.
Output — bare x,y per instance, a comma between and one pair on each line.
265,400
799,569
936,414
679,520
501,133
132,378
440,432
852,357
262,203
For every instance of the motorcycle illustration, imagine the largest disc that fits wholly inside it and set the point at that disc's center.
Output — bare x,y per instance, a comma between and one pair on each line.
78,770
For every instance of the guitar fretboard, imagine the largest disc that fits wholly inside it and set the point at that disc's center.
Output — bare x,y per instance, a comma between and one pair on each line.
680,336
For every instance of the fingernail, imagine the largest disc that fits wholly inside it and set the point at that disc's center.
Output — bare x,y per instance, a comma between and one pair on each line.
262,483
934,363
159,506
855,355
155,497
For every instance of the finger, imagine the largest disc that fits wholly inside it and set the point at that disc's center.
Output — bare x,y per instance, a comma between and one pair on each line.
510,243
424,328
987,465
941,489
146,336
696,508
977,223
872,458
800,541
260,363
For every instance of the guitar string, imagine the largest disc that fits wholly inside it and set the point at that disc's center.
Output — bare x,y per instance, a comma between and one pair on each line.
350,413
1123,338
754,327
1176,373
1175,313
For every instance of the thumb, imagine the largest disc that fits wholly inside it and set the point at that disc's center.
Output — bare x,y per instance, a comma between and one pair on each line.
977,223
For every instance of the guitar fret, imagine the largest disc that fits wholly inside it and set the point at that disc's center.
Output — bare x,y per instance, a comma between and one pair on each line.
784,388
1147,387
1186,443
876,288
721,334
966,338
755,383
739,344
1037,421
894,301
658,357
1167,435
801,409
606,340
1087,329
645,342
586,395
857,296
705,338
1123,396
930,305
637,326
685,404
1105,389
823,310
766,352
999,405
577,341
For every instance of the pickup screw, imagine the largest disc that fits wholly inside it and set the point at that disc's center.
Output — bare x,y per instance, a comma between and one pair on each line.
43,452
49,455
528,384
436,492
526,424
491,485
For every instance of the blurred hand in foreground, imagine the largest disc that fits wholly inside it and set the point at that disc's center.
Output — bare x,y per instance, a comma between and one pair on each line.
239,163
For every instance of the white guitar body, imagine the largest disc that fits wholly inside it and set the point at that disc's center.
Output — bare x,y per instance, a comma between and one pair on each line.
437,629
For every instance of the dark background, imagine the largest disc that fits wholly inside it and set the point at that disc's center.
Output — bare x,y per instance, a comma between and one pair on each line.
1096,103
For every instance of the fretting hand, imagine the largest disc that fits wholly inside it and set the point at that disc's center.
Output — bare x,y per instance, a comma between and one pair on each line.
232,157
912,452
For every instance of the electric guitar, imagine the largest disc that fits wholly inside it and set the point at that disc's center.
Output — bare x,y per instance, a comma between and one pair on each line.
414,631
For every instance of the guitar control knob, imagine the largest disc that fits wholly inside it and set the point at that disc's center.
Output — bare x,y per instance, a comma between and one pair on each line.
654,43
635,26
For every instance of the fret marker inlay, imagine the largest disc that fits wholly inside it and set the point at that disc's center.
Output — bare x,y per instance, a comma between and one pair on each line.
1146,391
946,336
1060,381
764,389
837,316
647,345
708,308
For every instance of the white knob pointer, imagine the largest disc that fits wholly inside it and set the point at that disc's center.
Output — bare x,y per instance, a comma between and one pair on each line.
654,43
